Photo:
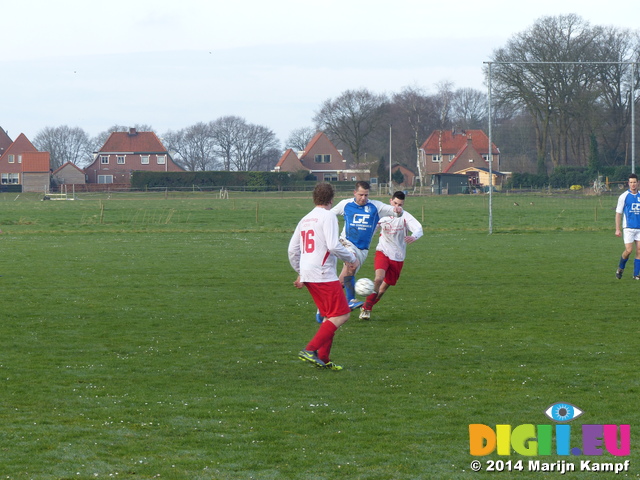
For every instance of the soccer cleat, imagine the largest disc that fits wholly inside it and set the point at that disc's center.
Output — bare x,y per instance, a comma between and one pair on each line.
319,317
311,357
619,273
636,277
365,314
333,366
353,304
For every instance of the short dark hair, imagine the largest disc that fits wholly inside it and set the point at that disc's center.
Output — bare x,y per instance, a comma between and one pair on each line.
633,175
363,184
399,194
323,194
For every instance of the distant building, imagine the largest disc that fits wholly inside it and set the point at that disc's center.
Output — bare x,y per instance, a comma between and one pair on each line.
125,152
21,164
461,151
69,174
322,160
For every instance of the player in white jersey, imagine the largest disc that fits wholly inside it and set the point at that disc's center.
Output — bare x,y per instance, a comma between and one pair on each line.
628,214
395,234
313,252
361,216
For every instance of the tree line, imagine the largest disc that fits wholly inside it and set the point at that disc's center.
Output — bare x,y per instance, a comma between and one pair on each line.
560,93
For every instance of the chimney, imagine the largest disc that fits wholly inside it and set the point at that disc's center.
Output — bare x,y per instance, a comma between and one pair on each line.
132,132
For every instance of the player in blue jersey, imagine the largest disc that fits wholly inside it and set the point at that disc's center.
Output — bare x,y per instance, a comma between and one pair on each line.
628,226
361,217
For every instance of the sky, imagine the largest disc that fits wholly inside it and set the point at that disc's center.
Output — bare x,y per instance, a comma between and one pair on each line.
172,64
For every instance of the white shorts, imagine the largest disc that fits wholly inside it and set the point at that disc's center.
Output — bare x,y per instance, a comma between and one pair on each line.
631,235
361,255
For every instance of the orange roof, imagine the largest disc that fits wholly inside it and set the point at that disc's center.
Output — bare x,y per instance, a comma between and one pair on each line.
450,142
35,162
133,142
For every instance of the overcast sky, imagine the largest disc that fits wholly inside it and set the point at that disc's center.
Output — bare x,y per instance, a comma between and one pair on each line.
171,64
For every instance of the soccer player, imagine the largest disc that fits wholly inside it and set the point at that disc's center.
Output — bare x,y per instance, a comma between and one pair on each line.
395,234
313,251
628,213
361,217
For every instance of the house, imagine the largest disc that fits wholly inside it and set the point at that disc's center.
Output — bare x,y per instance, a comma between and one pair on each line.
480,176
11,160
69,174
323,160
465,152
409,176
455,150
449,183
126,152
36,174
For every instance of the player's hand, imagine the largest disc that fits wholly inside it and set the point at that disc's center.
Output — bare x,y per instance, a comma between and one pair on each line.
618,232
398,211
409,239
297,283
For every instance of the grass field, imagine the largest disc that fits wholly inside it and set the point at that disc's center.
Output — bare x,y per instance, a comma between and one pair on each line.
150,336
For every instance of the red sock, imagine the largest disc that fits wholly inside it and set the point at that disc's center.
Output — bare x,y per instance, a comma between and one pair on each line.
322,339
370,301
325,350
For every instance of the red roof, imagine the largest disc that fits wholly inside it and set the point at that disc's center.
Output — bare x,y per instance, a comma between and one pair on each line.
450,142
35,162
133,142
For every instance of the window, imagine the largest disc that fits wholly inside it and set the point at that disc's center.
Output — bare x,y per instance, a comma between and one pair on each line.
11,159
451,157
323,158
435,158
162,159
144,159
471,160
19,158
120,159
330,177
10,178
105,178
104,159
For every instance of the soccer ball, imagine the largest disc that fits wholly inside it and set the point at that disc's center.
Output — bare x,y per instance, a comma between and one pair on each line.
364,287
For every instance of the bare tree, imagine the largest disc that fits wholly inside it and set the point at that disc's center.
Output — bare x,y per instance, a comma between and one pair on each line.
195,146
351,118
414,115
226,131
546,70
469,108
254,148
64,144
300,138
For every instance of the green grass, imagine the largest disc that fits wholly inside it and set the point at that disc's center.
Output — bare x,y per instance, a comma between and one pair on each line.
152,336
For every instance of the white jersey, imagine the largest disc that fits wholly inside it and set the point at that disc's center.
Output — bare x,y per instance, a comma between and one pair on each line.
392,233
314,246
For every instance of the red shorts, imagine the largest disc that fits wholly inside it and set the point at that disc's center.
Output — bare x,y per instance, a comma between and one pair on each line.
391,267
329,297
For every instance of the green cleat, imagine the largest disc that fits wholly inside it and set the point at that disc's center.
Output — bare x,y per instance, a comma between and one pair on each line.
333,366
311,357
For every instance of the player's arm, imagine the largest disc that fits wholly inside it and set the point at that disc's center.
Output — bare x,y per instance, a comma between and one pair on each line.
386,209
334,245
338,209
294,250
413,226
618,223
619,213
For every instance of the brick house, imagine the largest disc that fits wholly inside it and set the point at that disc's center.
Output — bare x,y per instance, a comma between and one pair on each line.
11,160
125,152
449,151
69,174
323,160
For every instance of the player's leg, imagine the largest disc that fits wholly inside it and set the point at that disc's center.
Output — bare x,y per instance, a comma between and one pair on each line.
629,241
330,300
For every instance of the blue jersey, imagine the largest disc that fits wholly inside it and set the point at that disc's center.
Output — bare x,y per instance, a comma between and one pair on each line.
629,207
360,221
